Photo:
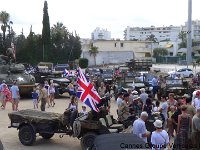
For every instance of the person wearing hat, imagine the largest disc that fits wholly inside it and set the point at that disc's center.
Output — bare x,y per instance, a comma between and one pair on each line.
134,92
159,138
197,100
143,96
83,111
139,127
123,111
136,107
190,108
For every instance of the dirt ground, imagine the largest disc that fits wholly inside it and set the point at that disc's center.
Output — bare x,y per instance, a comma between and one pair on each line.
9,136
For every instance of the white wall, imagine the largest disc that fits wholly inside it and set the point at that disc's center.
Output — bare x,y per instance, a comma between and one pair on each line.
109,57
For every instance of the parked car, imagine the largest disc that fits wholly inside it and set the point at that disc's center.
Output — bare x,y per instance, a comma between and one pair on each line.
184,72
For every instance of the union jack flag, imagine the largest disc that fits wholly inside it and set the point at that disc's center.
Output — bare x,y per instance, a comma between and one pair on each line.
86,92
66,73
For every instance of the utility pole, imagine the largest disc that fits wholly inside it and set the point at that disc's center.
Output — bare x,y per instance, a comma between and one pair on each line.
189,33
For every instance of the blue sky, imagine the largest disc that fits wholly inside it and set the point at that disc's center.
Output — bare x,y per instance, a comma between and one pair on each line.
85,15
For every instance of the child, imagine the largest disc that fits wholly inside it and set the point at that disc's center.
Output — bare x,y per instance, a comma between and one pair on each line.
51,92
35,98
170,123
83,111
7,96
156,108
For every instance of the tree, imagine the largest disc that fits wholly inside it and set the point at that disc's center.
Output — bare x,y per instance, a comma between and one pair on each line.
46,32
29,49
152,38
94,51
75,46
160,52
4,18
66,46
60,42
182,35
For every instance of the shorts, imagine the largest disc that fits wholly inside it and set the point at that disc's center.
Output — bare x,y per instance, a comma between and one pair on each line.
35,101
15,100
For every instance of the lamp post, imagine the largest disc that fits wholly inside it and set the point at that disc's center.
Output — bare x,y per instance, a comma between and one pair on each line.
189,34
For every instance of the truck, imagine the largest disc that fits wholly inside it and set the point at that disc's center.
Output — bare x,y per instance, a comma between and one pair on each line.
139,64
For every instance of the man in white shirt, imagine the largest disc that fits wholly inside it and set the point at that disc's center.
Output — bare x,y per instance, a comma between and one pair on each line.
139,127
197,100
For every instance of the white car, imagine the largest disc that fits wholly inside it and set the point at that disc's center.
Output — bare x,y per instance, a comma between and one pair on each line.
184,72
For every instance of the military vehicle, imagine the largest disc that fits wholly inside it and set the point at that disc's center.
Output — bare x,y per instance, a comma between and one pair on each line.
177,86
139,64
86,127
10,71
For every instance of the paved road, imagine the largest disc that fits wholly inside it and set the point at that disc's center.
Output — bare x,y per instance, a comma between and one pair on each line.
10,139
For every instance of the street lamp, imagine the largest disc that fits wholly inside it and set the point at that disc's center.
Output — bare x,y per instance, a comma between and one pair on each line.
189,36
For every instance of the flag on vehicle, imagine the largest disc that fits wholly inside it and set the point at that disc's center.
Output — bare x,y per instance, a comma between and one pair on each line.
86,92
66,73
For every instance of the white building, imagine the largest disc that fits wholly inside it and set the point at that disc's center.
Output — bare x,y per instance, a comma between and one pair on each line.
101,34
116,51
169,33
195,29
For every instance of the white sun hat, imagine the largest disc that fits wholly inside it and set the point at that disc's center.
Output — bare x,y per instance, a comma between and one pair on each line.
158,123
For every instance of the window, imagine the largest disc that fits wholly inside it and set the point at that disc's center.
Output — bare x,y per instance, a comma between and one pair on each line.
115,44
122,44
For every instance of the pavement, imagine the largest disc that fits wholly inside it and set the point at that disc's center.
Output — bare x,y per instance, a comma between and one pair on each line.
9,136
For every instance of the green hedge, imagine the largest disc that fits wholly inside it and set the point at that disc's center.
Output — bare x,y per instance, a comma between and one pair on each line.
83,62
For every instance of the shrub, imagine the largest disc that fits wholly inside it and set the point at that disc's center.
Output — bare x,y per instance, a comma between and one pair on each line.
83,62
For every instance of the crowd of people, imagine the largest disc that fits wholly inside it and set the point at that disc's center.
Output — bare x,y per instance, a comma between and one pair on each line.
174,119
179,119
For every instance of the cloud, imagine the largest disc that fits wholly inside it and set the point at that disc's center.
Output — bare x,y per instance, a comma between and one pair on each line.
85,15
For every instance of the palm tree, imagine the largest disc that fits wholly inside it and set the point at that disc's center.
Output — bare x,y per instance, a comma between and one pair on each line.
93,51
152,38
4,18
